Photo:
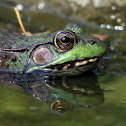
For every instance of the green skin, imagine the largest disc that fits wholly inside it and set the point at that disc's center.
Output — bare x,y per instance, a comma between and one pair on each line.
17,51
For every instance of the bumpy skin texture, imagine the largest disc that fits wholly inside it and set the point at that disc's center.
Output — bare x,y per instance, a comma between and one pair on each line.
17,53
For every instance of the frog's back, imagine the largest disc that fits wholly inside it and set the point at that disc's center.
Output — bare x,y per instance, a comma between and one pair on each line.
8,38
15,49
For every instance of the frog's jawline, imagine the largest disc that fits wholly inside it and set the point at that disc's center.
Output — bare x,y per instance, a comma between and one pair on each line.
73,64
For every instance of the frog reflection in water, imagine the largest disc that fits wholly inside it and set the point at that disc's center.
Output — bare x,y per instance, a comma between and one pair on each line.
61,94
66,52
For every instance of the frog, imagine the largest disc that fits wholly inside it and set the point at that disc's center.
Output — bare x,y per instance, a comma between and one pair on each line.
69,51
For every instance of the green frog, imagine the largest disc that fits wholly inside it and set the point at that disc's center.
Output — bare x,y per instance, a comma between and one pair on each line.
69,51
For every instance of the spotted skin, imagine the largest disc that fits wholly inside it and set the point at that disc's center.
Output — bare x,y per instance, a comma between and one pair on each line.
66,52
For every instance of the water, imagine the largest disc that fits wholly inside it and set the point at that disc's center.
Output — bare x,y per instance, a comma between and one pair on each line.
97,98
86,100
99,103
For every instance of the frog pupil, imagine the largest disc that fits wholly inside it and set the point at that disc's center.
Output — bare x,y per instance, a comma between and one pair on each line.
65,39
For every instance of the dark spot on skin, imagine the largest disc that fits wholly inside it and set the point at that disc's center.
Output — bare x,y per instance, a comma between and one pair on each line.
5,56
10,31
14,59
22,38
48,35
26,40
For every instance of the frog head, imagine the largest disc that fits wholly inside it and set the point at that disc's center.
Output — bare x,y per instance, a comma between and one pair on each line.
70,51
66,52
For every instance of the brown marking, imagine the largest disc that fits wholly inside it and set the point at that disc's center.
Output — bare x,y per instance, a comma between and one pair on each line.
4,57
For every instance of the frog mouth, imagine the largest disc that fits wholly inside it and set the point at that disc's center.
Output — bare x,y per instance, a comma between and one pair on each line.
73,64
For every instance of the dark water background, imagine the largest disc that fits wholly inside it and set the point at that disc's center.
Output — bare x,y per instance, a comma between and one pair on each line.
103,104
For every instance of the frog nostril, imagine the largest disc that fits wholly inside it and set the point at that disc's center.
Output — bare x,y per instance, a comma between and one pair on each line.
91,42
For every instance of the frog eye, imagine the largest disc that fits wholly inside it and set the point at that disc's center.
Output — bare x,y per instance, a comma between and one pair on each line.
42,55
60,107
65,40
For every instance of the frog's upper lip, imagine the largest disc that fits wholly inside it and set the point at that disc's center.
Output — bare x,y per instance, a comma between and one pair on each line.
73,64
65,66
